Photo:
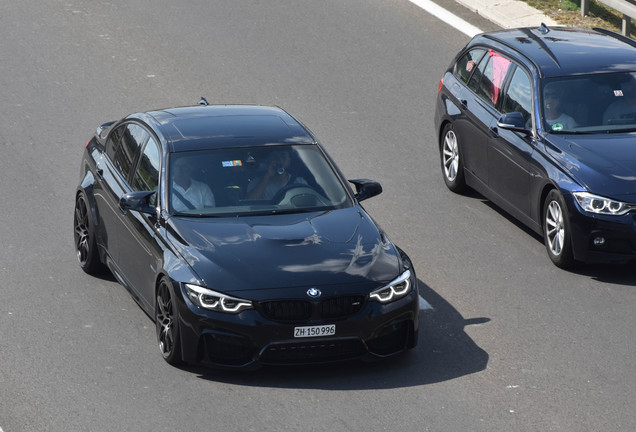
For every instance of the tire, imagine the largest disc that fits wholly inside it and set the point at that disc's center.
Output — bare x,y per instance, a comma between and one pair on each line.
84,236
167,322
556,230
451,161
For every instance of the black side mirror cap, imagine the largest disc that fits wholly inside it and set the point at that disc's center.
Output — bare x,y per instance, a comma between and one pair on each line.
366,188
137,201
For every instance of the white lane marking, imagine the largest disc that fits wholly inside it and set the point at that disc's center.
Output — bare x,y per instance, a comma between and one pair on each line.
424,305
444,15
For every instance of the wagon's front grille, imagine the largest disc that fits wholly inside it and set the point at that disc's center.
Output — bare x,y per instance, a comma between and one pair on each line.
302,310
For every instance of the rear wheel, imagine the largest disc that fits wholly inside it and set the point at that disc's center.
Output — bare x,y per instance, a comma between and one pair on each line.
167,321
84,235
556,230
451,160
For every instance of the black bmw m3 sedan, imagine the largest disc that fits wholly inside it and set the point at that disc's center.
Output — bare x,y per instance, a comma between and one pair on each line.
235,231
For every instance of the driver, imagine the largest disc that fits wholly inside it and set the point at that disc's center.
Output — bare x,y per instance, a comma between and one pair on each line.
187,193
275,178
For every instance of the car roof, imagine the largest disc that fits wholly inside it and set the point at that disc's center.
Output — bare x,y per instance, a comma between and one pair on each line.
221,126
560,51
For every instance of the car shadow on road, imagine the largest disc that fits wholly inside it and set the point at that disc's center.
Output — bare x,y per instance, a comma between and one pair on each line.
444,352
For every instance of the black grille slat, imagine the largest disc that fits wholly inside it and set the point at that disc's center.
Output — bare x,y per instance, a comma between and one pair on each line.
340,307
303,310
288,310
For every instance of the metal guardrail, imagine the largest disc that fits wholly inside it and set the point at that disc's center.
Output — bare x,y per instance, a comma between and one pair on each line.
626,7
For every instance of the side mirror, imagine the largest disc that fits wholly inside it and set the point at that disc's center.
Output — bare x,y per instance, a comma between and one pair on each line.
366,188
513,121
137,201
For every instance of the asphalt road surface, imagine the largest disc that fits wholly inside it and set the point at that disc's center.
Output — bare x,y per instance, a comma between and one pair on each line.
508,342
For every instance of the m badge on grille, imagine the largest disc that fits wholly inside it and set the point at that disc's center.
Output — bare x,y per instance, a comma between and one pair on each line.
313,292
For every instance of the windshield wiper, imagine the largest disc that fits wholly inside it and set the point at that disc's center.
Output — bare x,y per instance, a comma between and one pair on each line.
282,211
198,215
611,131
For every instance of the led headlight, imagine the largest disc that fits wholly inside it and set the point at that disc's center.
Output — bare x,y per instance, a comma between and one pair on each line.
215,301
395,290
600,205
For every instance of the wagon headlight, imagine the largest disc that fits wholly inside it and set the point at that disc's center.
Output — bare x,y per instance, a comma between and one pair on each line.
395,290
600,205
215,301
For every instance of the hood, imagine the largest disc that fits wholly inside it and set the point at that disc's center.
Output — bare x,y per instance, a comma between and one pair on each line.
279,251
605,164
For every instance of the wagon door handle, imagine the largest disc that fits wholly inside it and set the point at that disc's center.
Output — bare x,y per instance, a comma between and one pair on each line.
494,131
464,103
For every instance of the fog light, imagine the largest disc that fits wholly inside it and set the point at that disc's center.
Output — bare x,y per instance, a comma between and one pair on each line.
599,241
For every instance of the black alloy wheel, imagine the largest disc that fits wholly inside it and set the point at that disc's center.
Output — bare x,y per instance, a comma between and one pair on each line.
451,160
166,319
84,235
556,230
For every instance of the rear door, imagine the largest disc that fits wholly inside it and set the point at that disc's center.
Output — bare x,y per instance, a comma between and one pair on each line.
478,102
141,251
115,168
509,153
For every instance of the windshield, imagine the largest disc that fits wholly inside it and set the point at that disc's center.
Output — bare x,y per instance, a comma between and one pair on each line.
253,181
590,103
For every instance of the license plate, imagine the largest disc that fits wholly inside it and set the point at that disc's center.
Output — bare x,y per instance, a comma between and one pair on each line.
315,331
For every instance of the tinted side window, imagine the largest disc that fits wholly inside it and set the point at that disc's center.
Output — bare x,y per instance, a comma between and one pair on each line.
113,144
123,144
519,95
468,63
147,174
494,74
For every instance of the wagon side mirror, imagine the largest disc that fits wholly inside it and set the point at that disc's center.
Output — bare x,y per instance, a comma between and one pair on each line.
513,121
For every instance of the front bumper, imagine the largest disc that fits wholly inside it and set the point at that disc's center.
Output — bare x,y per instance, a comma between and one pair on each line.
602,238
250,339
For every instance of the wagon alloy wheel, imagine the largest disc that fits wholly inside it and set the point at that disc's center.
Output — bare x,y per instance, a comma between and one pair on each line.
556,230
167,323
85,245
451,158
452,164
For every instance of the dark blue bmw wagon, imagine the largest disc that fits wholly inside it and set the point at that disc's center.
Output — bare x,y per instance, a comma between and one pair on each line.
235,231
542,121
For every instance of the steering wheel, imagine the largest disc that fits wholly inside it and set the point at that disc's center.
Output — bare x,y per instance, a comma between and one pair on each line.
299,195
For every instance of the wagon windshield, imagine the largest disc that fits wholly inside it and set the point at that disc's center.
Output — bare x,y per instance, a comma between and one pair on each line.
590,103
253,181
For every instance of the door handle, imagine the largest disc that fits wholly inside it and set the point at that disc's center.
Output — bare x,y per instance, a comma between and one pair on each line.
464,103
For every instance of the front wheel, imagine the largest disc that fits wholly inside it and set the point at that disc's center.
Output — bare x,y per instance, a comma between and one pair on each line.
451,160
556,230
167,322
84,236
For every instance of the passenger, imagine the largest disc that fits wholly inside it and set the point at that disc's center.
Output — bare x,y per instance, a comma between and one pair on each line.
622,110
556,119
187,193
275,178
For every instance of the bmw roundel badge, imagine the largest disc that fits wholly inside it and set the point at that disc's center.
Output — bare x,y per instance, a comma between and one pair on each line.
313,292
